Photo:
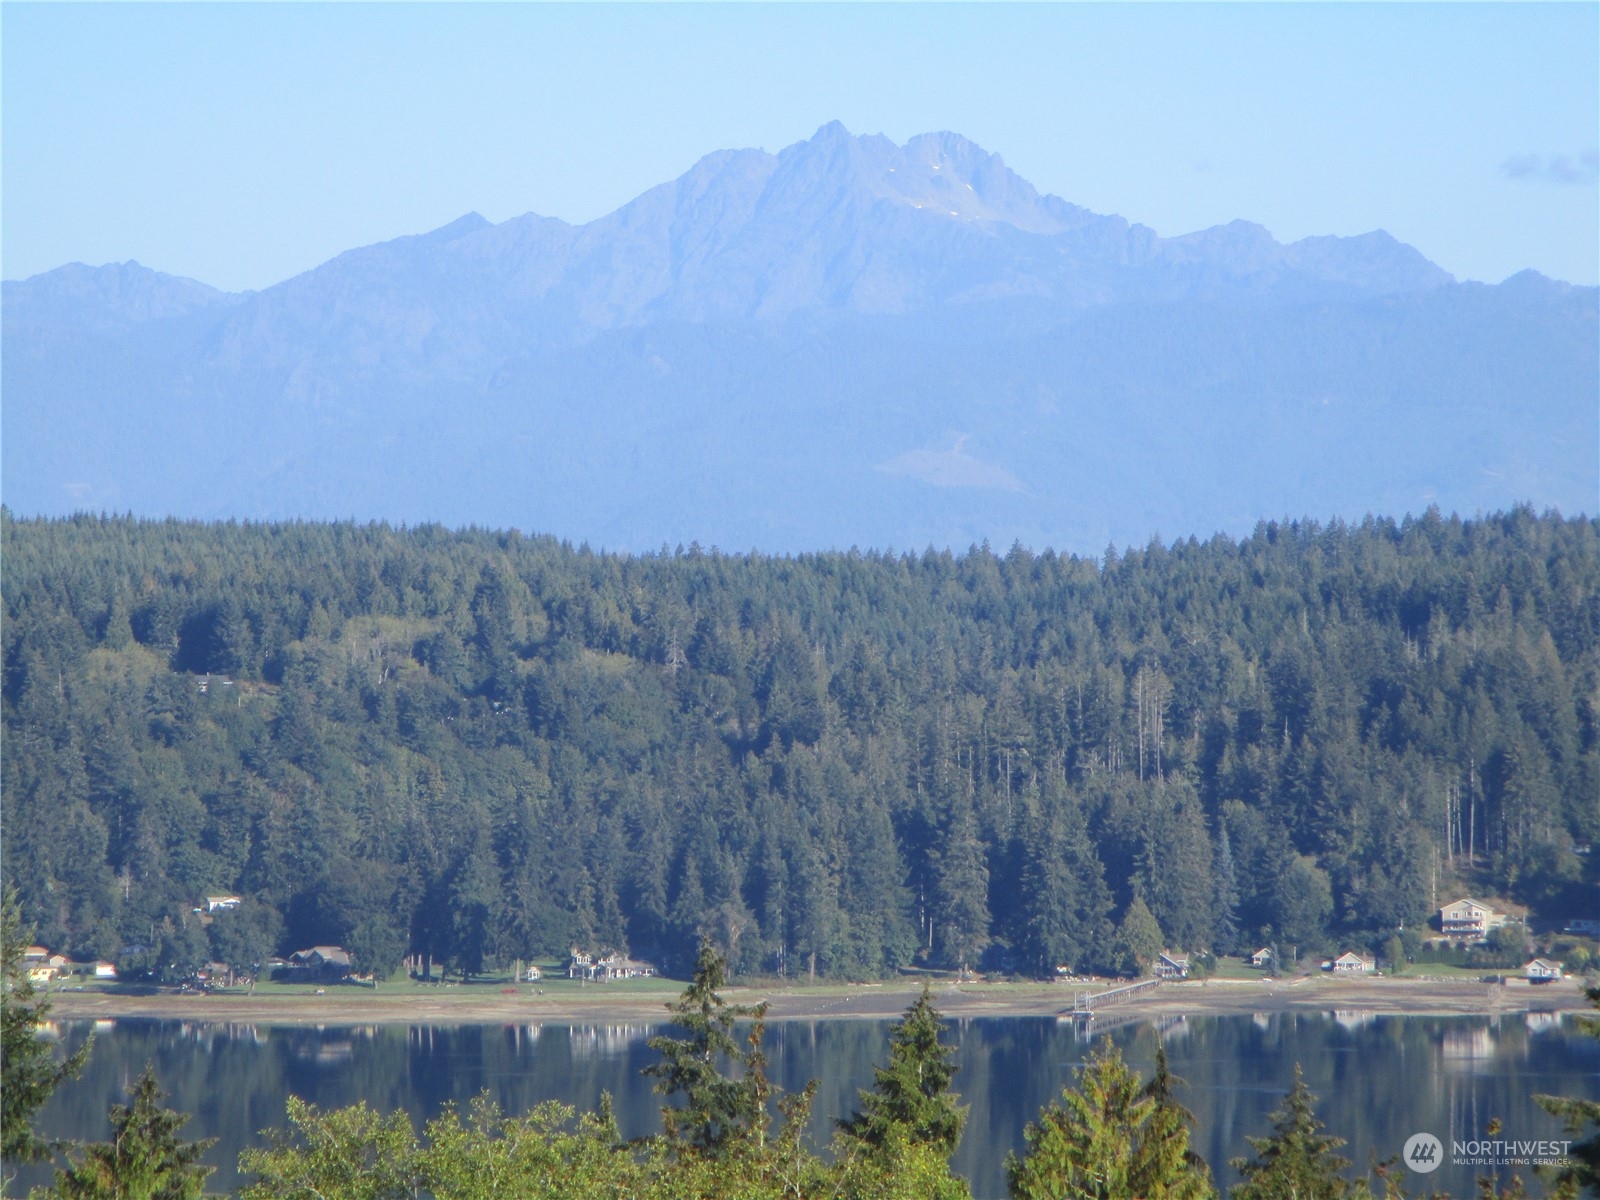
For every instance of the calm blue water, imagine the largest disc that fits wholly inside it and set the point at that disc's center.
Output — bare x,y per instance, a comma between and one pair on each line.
1380,1079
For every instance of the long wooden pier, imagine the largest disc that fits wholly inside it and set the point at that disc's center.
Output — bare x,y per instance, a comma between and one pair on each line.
1086,1003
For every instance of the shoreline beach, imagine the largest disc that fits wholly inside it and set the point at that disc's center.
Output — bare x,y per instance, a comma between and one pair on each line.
405,1004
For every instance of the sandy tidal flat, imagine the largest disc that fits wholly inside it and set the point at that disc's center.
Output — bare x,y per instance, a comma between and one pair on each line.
561,1002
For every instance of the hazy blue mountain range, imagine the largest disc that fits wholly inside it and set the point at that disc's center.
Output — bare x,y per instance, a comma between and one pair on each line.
849,342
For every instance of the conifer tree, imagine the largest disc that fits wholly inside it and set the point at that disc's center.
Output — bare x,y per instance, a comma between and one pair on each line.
911,1096
1168,1164
144,1160
1109,1139
719,1107
1298,1161
1582,1169
1175,865
1065,903
473,895
962,891
1226,881
29,1072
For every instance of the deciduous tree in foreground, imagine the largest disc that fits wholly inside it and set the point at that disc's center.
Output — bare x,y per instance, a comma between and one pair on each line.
1112,1137
717,1144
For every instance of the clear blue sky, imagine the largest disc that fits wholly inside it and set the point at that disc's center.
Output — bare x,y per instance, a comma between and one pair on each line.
240,144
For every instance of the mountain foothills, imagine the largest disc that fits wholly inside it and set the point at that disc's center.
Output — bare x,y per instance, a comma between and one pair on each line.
846,343
480,746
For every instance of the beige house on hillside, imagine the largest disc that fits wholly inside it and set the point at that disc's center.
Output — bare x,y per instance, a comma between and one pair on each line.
1469,919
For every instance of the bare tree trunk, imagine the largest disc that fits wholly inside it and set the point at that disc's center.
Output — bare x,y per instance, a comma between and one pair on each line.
1472,811
1138,682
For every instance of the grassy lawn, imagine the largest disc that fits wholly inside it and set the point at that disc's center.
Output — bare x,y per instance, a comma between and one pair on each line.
1434,970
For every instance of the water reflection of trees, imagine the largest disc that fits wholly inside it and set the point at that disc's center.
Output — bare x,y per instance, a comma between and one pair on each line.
1379,1079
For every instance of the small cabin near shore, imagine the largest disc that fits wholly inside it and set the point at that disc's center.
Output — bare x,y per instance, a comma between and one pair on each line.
1351,963
320,964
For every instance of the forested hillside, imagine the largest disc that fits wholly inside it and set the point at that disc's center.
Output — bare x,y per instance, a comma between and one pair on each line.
484,746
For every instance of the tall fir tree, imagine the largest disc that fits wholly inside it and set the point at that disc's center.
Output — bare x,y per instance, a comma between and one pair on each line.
1582,1168
1174,865
144,1160
723,1084
1225,879
29,1069
1065,901
1297,1162
962,891
1168,1164
911,1096
474,893
1110,1138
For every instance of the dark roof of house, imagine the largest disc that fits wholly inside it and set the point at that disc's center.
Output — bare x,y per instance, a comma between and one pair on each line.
329,954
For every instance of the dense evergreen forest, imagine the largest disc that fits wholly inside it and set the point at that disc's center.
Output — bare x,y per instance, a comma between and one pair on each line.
483,746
